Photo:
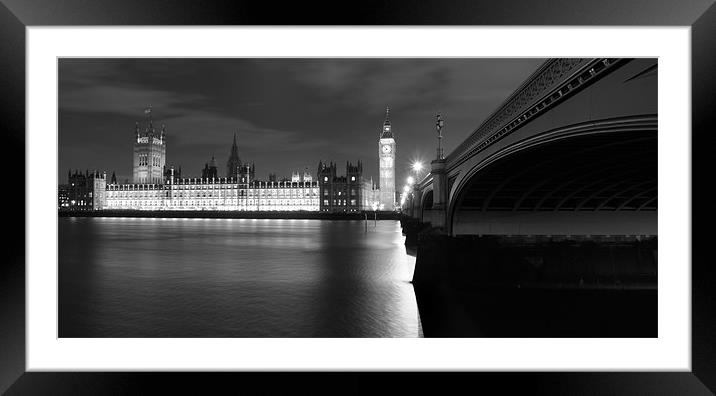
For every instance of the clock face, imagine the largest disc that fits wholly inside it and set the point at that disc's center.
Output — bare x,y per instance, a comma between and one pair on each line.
386,149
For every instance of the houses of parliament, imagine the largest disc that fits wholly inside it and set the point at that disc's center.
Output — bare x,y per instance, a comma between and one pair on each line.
156,186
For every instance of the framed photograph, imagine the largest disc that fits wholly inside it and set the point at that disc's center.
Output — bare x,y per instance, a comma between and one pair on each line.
187,206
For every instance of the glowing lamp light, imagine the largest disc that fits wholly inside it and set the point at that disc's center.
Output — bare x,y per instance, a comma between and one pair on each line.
417,166
411,180
406,188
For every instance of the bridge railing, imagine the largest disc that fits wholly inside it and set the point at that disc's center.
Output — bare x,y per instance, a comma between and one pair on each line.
553,81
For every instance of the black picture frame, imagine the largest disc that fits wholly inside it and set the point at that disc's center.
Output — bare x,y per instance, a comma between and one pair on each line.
16,15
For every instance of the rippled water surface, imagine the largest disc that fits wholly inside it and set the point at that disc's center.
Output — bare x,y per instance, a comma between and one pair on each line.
124,277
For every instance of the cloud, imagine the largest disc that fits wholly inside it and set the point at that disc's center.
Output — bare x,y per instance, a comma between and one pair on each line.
407,84
198,126
190,118
186,119
124,100
364,83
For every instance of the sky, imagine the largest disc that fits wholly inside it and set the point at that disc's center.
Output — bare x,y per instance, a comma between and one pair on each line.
287,113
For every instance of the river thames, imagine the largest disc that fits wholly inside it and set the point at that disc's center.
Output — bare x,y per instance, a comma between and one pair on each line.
136,277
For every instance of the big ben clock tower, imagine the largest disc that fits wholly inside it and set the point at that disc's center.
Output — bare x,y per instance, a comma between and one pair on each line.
386,155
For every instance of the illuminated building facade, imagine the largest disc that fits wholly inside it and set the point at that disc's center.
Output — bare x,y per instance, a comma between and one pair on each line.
239,190
158,187
215,194
349,193
150,152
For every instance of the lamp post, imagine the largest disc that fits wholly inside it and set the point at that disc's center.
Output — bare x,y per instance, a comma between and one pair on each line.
439,123
406,192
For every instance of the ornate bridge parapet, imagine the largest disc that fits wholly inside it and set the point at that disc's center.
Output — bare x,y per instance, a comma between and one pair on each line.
551,84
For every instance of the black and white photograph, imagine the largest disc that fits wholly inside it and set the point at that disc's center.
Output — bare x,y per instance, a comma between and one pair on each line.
357,198
344,197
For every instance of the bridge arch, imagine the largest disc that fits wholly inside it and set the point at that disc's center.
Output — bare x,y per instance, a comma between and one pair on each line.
592,178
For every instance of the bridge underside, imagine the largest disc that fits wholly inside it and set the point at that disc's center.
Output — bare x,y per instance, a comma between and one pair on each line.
595,184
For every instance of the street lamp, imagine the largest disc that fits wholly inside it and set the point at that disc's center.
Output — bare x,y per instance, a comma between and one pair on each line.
439,124
411,180
417,168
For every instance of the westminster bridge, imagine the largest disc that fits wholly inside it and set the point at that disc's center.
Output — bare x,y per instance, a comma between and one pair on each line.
555,190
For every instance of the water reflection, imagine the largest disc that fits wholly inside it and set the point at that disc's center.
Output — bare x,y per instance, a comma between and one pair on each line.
124,277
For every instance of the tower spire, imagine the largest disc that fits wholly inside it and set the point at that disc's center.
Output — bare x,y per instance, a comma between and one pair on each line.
387,131
234,148
233,165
